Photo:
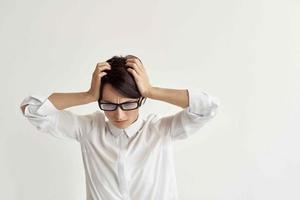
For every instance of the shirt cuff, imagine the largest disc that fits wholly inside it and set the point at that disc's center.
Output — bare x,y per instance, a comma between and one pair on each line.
39,105
201,103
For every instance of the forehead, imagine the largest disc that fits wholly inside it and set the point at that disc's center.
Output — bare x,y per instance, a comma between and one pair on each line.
111,95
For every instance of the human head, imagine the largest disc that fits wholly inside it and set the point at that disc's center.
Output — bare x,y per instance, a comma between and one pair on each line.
119,86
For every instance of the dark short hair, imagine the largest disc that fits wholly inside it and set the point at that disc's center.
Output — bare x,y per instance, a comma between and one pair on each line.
120,79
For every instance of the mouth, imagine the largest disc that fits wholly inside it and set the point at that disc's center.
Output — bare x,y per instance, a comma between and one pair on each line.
119,122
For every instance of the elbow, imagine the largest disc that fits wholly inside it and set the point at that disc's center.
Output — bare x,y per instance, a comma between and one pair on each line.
23,108
214,107
211,110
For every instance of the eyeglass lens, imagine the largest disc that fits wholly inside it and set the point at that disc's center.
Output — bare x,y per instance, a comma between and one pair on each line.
124,106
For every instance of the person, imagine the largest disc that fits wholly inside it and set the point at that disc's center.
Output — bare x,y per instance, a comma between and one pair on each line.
125,156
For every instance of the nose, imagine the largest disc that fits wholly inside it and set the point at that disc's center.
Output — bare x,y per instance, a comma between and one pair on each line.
120,114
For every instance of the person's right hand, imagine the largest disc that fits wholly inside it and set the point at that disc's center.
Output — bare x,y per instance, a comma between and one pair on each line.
94,91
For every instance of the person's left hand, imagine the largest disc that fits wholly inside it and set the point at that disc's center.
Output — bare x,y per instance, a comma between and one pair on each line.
136,68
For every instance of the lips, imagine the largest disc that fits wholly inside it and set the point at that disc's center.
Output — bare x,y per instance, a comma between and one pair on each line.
121,121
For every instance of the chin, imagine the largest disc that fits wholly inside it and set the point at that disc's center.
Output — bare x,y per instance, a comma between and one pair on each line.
125,125
122,127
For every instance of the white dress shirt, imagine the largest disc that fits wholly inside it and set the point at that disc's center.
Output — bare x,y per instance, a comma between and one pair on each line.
135,163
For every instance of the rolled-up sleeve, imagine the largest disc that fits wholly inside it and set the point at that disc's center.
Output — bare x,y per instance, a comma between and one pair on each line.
62,124
202,108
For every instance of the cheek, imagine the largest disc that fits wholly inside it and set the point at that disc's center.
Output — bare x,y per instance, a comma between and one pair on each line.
133,114
108,114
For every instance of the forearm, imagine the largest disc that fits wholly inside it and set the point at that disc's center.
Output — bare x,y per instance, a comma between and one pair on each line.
173,96
65,100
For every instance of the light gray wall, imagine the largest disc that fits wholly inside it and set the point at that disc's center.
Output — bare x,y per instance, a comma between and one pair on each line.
246,53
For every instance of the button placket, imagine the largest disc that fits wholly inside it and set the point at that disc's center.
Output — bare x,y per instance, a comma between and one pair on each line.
122,165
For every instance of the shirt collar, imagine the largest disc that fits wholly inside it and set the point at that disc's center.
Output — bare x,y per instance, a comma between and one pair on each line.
130,131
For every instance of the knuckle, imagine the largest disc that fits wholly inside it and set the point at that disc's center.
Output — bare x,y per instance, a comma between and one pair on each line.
101,63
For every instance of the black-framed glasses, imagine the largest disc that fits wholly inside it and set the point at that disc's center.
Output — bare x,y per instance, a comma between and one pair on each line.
132,105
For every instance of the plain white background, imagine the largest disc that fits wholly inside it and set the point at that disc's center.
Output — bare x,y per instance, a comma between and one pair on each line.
246,53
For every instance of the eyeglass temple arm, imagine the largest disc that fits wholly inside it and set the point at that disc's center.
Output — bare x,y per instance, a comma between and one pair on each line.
143,100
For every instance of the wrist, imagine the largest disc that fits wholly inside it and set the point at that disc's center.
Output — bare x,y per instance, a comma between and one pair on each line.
151,92
90,97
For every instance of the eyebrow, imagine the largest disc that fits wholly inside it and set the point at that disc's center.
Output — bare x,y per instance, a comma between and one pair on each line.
129,101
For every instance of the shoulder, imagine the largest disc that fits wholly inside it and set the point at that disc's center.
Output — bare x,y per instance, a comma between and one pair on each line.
98,117
153,121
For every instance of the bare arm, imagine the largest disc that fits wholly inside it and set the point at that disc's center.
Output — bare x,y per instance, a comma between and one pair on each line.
176,97
65,100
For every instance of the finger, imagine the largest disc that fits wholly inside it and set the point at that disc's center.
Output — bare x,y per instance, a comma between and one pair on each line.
102,68
135,60
102,63
138,67
100,75
133,72
135,67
